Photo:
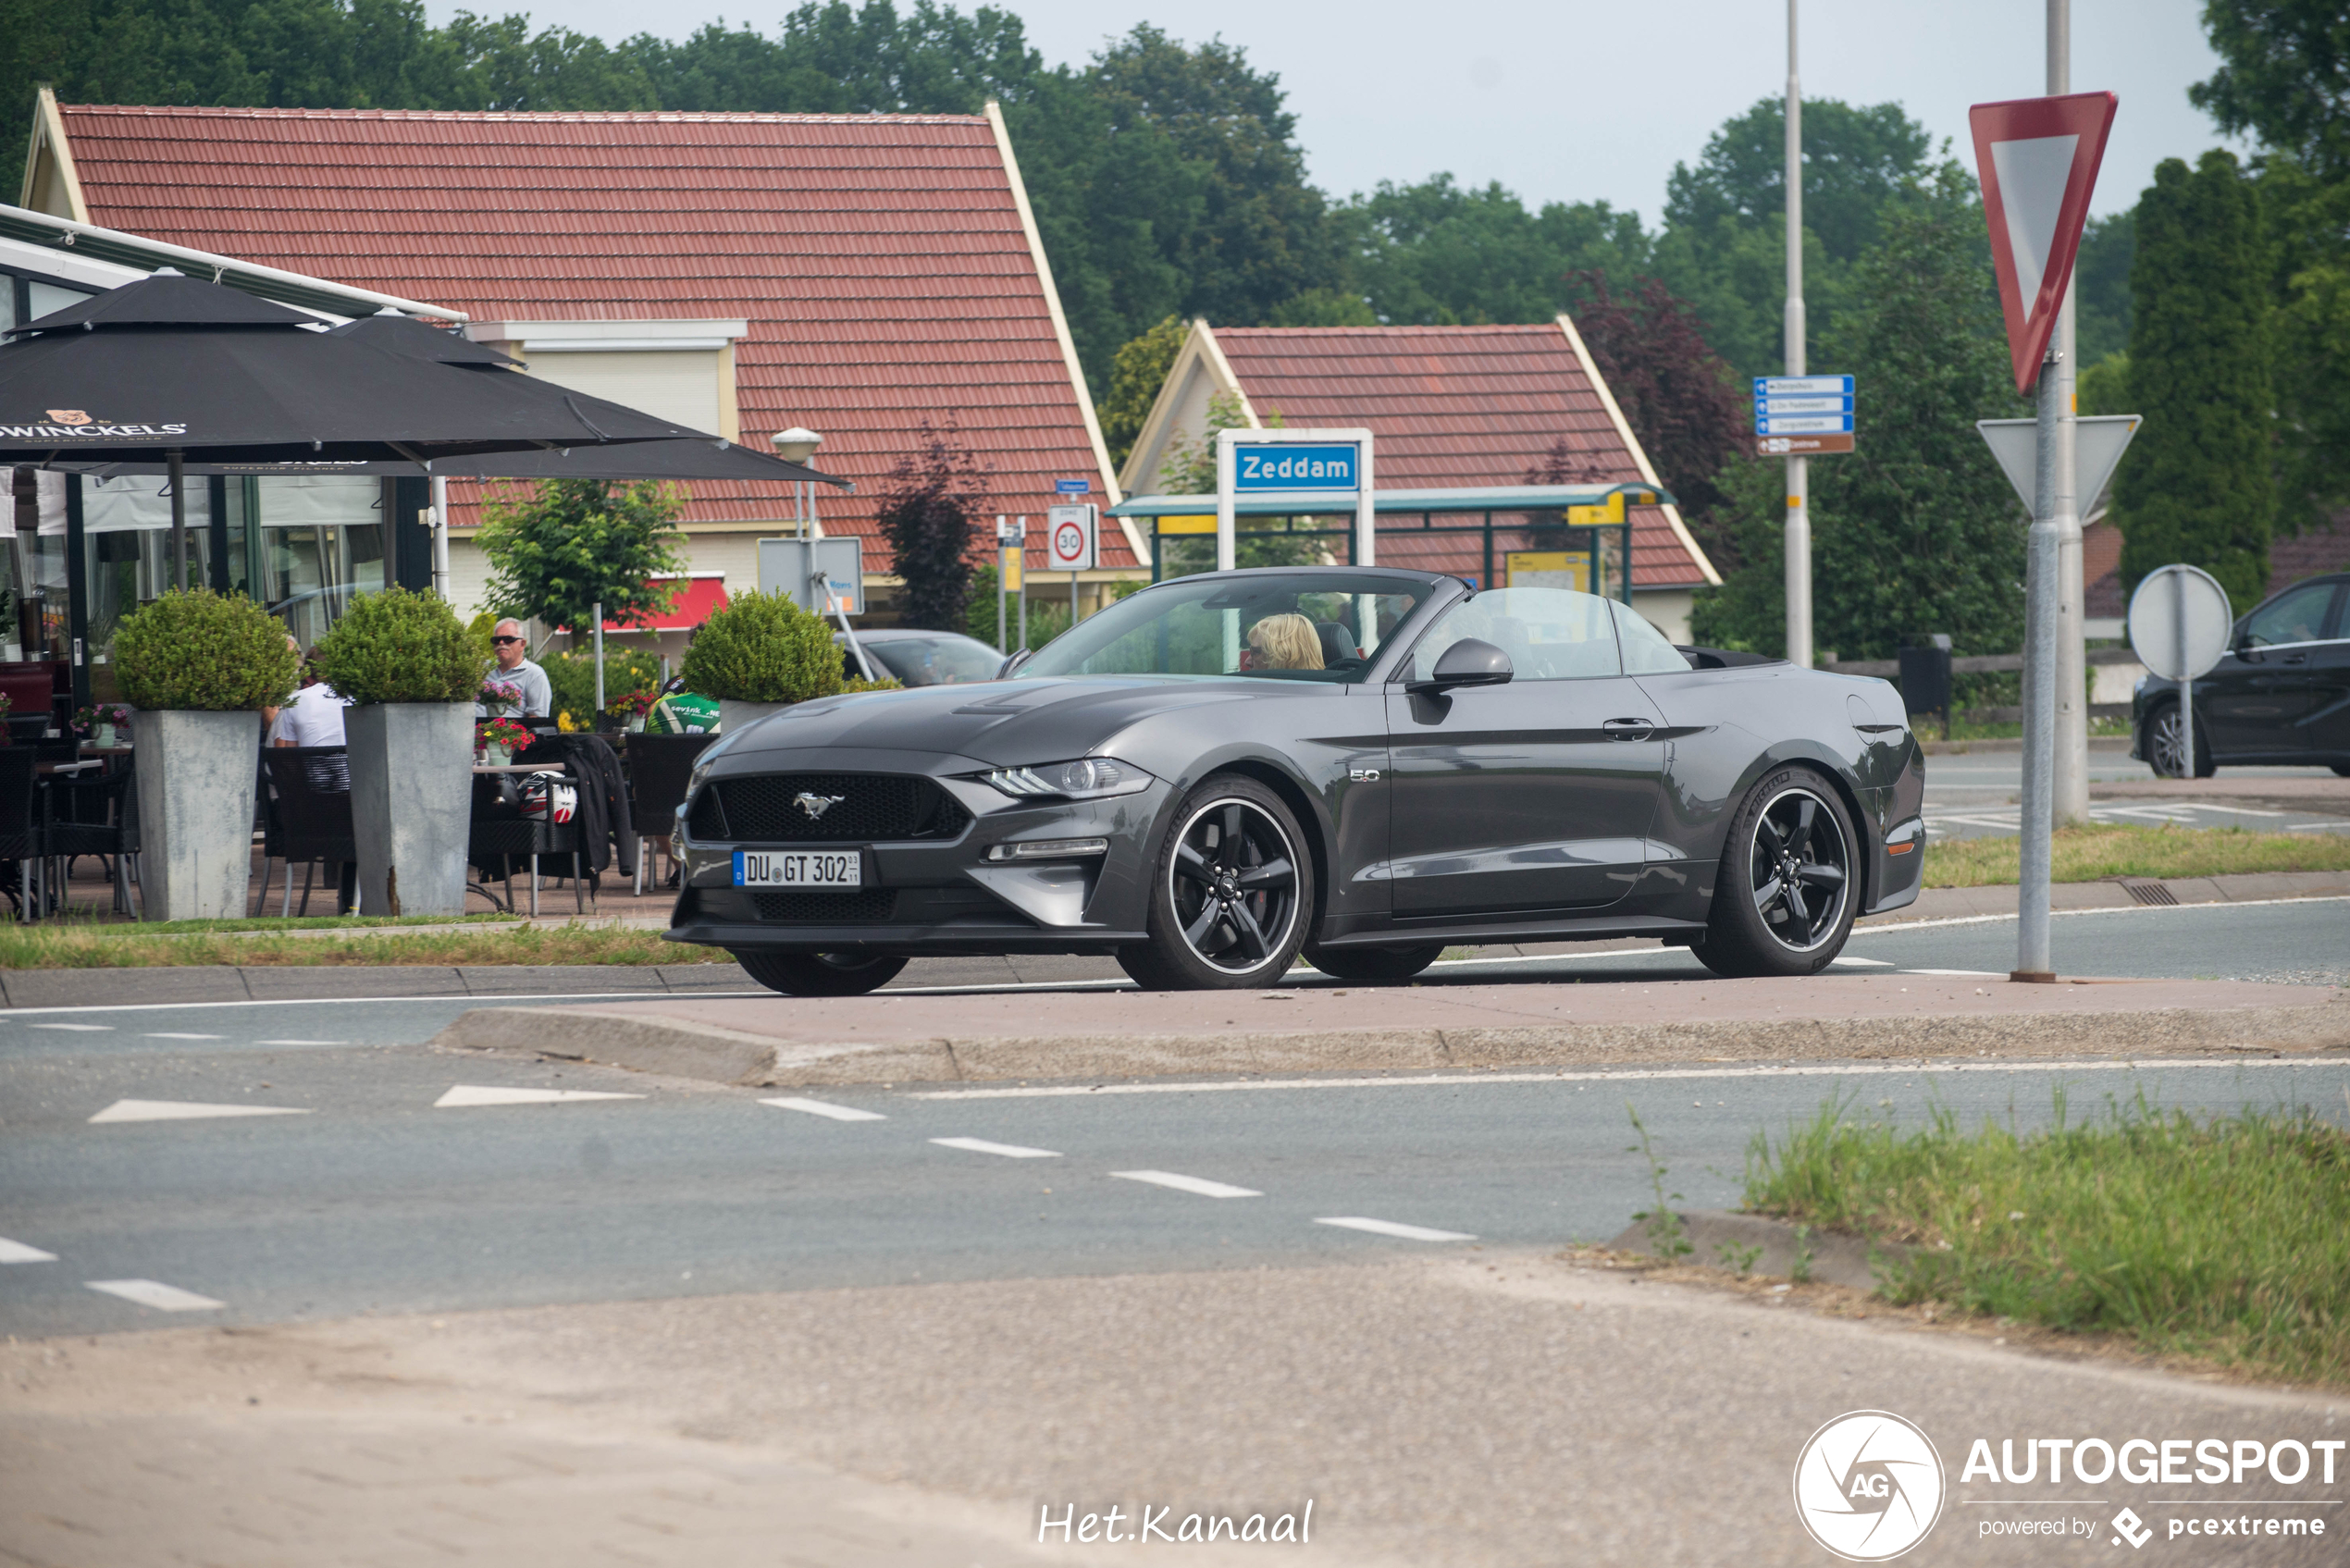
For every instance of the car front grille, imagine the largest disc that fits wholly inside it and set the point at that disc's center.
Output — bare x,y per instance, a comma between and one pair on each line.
871,906
766,808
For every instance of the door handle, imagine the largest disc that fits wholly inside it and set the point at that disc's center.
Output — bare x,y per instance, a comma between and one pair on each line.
1625,729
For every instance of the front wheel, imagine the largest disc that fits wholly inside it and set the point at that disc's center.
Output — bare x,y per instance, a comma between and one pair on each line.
818,974
2166,749
1372,965
1232,894
1789,883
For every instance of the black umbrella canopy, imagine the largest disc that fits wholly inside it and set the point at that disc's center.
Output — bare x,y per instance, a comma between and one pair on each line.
400,333
169,365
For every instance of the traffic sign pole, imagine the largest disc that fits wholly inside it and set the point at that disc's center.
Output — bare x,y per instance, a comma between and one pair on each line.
2187,685
1798,468
2069,779
2040,594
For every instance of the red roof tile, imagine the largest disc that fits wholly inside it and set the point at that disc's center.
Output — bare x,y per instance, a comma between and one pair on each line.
879,258
1451,406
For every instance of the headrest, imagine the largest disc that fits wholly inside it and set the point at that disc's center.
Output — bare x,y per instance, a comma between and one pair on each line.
1336,644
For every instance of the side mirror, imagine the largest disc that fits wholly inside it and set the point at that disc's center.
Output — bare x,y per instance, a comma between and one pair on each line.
1468,662
1014,663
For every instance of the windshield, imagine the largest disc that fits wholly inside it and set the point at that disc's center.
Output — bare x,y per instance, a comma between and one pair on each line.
1283,626
932,662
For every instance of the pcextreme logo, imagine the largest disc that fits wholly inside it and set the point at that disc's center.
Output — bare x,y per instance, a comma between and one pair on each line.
1869,1486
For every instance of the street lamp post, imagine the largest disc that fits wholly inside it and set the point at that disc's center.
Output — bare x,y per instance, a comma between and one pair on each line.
797,445
1798,512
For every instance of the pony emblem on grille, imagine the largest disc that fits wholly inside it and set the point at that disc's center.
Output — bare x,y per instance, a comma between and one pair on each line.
816,805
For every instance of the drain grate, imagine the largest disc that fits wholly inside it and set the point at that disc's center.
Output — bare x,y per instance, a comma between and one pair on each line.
2149,892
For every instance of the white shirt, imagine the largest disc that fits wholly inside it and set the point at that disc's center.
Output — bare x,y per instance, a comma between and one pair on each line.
313,716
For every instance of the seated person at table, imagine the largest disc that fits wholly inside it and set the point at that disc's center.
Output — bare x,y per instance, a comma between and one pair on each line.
1283,642
311,716
515,669
680,712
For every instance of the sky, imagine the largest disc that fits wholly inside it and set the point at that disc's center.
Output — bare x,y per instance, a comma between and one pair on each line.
1575,101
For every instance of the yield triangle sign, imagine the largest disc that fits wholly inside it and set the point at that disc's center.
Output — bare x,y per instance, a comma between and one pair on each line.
2038,160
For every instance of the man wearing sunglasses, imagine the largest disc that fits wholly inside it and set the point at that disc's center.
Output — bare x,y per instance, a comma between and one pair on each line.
515,668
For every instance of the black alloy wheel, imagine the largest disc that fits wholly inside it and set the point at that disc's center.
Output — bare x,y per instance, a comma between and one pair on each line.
818,974
1372,965
1233,894
2166,749
1789,881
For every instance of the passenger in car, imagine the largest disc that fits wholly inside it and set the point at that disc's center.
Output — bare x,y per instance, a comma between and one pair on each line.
1283,642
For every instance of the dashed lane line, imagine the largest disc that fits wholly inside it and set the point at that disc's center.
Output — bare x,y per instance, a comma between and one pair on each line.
465,1096
17,1251
186,1110
1391,1227
823,1109
176,1036
154,1293
302,1041
1198,1184
1008,1151
77,1028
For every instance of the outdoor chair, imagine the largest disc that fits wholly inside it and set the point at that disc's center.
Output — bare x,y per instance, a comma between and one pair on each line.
312,790
505,840
93,815
658,769
20,828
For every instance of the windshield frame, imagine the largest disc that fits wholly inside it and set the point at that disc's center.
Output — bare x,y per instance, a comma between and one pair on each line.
1381,670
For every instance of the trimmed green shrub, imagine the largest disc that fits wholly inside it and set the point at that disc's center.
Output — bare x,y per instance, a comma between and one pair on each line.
762,648
204,652
571,677
402,646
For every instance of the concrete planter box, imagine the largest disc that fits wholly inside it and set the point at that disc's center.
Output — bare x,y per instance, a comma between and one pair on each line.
196,774
732,715
410,804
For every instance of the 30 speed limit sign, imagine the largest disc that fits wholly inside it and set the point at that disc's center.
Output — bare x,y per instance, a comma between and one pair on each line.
1070,537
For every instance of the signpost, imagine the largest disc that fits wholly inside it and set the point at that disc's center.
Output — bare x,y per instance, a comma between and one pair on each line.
1073,486
1073,539
2037,159
1322,471
2178,624
823,576
1011,561
1802,415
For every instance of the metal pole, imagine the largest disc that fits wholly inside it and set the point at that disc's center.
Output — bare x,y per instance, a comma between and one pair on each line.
598,613
174,459
440,537
1003,587
2186,683
1798,499
2070,777
2032,962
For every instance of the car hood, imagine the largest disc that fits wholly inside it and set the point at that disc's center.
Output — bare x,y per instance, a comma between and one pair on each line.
1008,724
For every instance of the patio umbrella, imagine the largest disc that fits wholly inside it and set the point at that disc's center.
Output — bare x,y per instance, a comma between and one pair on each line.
169,367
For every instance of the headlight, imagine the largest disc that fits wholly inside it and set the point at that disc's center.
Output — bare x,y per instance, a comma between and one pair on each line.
1089,778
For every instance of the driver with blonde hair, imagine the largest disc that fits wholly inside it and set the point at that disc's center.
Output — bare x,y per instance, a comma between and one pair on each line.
1283,642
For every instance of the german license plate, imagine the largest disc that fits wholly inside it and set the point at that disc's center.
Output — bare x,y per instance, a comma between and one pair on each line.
842,869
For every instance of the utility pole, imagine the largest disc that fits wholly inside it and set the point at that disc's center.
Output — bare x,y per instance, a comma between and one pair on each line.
1798,516
2068,777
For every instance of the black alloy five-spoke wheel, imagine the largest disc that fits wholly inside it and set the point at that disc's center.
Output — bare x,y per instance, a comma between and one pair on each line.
1232,896
818,974
1786,893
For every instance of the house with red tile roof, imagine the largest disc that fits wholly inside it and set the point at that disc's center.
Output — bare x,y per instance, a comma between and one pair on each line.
863,276
1448,407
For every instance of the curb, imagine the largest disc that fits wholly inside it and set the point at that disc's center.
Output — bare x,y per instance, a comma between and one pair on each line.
159,984
683,1049
1837,1257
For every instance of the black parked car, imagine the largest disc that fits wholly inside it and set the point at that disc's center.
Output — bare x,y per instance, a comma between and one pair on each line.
2281,694
1219,772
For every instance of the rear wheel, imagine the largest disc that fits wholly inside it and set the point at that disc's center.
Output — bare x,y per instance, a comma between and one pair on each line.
1372,964
1232,896
818,974
1789,883
2166,749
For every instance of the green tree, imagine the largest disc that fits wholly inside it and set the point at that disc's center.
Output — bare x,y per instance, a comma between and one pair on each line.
568,545
2199,486
2101,288
1136,377
2284,76
1434,255
1916,530
931,507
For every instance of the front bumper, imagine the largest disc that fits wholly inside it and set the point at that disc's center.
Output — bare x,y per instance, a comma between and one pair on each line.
940,897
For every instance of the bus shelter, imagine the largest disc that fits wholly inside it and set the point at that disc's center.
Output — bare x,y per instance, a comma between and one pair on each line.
1558,536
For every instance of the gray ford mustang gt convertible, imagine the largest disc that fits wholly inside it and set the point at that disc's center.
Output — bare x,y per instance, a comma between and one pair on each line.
1222,771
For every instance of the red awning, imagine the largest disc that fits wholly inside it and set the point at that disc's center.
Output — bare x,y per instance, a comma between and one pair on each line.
703,595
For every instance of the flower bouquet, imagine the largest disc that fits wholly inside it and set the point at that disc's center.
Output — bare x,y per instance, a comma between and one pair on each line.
632,707
98,723
497,694
496,739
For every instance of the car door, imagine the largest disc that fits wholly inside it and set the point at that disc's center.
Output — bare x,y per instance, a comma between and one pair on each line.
1532,796
2254,702
2328,720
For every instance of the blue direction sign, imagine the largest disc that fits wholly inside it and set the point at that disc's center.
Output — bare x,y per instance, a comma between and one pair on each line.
1073,486
1803,406
1285,467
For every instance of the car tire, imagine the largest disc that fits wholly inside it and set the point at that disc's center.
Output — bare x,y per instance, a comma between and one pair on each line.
818,974
2161,744
1794,822
1373,965
2341,769
1232,894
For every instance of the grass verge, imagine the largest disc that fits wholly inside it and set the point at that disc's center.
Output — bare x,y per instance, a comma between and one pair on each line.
2097,850
132,947
2226,1241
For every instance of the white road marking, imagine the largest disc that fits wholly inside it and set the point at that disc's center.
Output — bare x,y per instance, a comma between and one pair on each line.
1408,1232
1852,961
302,1041
186,1110
17,1251
2100,909
152,1293
469,1094
1963,974
824,1108
80,1028
1198,1184
1469,1076
364,1001
185,1037
1010,1150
